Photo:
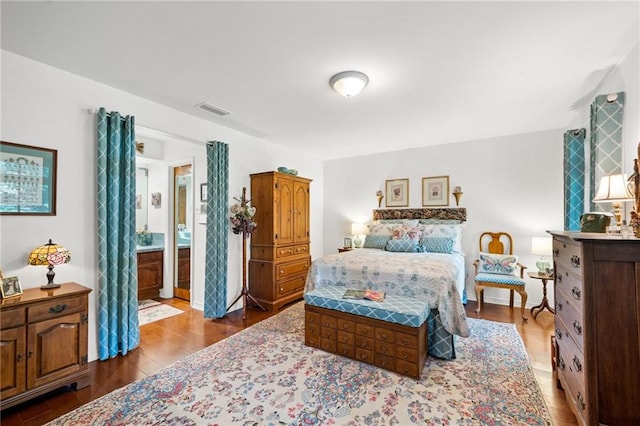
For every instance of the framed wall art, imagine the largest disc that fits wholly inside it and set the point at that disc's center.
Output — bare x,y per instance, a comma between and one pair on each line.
27,180
435,191
397,191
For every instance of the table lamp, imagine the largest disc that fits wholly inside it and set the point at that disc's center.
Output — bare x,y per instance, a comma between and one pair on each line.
357,230
613,189
49,255
543,247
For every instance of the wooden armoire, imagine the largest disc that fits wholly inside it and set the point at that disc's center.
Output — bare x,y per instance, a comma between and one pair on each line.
280,244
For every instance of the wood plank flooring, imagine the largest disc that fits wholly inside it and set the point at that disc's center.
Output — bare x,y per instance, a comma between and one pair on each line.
166,341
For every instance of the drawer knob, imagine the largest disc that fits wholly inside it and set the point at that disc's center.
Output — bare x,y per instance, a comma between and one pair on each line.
575,261
559,278
577,364
558,305
558,334
576,292
577,327
383,337
57,309
19,357
561,364
580,402
556,252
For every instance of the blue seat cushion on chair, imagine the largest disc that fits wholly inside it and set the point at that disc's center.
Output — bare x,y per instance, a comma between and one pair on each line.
398,309
500,279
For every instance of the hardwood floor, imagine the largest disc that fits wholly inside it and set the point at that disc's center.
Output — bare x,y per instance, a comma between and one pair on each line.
166,341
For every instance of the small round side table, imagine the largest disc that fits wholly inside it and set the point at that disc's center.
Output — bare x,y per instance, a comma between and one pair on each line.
544,304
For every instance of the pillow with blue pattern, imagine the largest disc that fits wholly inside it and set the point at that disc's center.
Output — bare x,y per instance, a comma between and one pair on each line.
402,246
437,244
376,241
504,264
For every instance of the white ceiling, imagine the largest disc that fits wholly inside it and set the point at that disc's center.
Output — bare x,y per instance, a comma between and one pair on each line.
440,72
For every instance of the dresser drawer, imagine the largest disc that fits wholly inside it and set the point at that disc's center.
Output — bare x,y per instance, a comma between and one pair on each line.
290,286
55,308
346,325
571,317
570,359
346,337
570,285
384,335
287,270
568,256
295,250
13,317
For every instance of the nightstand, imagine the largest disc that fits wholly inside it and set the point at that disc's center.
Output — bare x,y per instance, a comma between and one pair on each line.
343,249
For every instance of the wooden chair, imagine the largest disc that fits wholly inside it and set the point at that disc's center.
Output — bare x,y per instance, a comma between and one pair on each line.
497,268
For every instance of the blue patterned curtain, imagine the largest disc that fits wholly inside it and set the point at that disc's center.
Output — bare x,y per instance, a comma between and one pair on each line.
574,178
118,330
215,283
606,142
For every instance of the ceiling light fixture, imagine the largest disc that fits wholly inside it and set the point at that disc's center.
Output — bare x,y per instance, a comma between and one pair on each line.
349,83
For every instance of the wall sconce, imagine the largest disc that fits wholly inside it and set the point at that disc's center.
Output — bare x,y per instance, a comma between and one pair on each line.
457,192
49,255
613,189
349,83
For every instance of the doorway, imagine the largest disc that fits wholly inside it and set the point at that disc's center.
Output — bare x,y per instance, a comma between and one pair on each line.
183,226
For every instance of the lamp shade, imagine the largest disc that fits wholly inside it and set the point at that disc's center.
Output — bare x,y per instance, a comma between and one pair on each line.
359,229
541,246
49,255
349,83
613,188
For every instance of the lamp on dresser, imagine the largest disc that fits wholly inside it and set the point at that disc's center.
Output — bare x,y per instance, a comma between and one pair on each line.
49,255
613,189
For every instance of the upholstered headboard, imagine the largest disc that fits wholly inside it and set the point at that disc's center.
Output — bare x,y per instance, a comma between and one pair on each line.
453,213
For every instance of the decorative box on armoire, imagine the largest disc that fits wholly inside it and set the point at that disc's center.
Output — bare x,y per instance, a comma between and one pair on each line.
43,342
280,244
597,326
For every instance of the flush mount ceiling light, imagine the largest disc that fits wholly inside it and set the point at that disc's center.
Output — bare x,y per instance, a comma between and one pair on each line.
349,83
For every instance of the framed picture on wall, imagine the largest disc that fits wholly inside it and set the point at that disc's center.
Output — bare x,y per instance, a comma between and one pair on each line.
28,177
397,191
435,191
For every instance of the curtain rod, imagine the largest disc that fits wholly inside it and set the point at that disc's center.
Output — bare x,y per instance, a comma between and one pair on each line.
163,133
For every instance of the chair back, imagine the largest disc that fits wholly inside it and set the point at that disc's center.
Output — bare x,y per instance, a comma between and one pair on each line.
496,242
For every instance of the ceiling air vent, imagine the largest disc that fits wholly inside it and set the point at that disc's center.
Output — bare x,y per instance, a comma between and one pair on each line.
212,108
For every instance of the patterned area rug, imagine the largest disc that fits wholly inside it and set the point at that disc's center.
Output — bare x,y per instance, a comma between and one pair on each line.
147,303
264,375
156,312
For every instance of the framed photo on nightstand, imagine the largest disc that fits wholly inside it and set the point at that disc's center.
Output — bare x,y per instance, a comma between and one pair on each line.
347,242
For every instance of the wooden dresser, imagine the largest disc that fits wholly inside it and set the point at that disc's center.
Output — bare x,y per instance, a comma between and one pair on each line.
280,244
43,342
597,337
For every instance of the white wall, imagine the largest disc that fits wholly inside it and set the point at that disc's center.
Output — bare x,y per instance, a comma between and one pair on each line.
47,107
511,184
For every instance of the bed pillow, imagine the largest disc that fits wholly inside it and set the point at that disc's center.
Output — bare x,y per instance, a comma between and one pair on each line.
437,244
403,246
376,241
504,264
405,232
383,228
446,231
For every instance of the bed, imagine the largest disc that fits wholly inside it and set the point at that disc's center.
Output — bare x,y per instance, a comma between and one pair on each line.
390,262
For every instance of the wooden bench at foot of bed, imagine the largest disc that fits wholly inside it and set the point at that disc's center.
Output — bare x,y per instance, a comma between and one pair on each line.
395,347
